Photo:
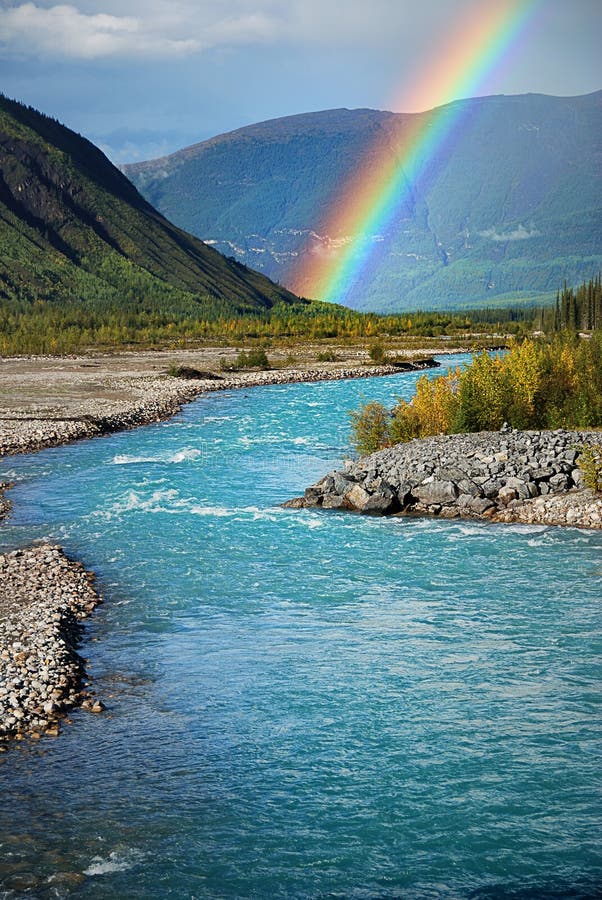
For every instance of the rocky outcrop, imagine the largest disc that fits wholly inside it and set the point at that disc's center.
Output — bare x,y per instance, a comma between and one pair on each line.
508,476
44,596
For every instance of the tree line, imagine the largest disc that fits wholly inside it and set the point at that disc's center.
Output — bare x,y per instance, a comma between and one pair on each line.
137,318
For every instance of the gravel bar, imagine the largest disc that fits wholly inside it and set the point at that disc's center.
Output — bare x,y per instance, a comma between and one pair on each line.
152,398
44,597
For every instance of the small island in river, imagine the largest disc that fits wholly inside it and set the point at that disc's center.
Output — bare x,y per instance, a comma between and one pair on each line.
504,476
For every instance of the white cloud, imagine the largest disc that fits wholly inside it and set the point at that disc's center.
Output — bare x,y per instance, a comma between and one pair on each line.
518,234
400,29
90,29
64,31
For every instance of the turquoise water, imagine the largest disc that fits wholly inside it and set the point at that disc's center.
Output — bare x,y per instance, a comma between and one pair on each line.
304,703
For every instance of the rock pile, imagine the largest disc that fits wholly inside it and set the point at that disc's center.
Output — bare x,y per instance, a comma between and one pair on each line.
5,505
493,475
582,509
43,598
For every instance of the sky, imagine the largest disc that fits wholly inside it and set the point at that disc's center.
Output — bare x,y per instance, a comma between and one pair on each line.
143,78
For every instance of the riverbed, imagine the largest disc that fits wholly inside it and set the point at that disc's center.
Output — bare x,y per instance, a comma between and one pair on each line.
303,703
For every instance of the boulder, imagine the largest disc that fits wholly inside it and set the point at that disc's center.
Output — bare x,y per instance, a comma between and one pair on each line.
295,503
357,497
313,496
334,501
381,504
480,505
507,493
467,486
436,492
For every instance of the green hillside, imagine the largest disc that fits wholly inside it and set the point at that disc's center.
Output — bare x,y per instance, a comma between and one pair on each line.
506,211
74,231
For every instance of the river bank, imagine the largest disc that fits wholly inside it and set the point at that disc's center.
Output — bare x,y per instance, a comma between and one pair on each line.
44,597
49,401
507,476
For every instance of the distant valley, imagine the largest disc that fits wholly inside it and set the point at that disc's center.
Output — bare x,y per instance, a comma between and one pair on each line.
506,211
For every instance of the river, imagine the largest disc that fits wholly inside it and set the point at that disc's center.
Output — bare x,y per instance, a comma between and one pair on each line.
304,703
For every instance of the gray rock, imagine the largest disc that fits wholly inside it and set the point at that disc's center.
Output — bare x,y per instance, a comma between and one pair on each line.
474,474
436,492
381,504
559,482
357,497
313,496
334,501
507,493
492,488
479,505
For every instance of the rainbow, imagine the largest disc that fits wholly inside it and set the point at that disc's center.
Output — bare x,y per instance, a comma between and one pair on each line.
366,209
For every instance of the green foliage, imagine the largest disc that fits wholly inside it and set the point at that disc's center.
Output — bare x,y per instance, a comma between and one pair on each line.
378,354
370,428
103,318
84,259
538,384
578,310
327,356
590,463
252,359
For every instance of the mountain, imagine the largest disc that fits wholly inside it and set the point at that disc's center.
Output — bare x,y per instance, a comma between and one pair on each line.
73,228
507,209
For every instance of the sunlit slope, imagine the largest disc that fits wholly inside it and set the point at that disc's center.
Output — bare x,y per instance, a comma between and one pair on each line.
72,227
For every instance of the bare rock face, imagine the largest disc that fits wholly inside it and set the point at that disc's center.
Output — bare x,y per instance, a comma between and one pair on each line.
503,476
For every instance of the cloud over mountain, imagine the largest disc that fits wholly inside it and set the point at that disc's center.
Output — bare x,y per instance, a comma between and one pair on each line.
93,29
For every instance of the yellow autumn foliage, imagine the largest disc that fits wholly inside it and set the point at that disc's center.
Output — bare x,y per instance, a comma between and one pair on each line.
536,384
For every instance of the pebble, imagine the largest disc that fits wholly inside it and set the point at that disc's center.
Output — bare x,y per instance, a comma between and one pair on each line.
44,597
158,397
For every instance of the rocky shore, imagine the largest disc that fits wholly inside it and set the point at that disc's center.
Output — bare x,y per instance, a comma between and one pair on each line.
506,476
152,398
44,596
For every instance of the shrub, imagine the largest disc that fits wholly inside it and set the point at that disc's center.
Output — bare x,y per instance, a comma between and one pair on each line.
377,354
537,384
253,359
590,464
370,428
327,356
177,371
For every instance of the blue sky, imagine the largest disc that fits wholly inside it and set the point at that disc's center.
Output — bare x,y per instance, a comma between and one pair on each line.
142,78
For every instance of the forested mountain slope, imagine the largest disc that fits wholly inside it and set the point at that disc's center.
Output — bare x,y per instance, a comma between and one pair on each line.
507,209
74,229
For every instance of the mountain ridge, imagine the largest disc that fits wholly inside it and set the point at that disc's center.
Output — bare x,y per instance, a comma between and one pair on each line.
511,211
